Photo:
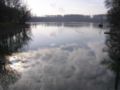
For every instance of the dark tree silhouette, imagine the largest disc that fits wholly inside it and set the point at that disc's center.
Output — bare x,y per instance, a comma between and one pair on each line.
113,59
113,12
13,11
113,40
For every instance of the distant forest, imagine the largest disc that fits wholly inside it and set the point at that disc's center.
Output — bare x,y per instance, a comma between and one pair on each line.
13,11
70,18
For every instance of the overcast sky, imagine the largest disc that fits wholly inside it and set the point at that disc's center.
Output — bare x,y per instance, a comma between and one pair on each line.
53,7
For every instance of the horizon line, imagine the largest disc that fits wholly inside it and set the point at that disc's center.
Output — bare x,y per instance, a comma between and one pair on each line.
67,14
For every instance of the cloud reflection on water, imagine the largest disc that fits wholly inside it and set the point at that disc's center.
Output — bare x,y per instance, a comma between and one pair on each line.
66,67
64,56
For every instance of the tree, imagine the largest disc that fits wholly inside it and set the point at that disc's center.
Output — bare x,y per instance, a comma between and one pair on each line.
113,12
13,11
13,3
113,40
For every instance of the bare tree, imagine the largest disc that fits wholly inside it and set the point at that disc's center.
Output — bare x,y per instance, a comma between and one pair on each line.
13,3
114,11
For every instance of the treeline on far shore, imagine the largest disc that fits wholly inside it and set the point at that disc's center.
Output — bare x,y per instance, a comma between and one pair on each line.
70,18
13,11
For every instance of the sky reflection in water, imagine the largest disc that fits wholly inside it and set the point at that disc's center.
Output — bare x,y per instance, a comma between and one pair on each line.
61,57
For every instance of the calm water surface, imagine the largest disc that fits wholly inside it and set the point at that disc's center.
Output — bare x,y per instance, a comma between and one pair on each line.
56,56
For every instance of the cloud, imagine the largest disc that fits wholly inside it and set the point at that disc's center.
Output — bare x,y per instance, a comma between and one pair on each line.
53,7
59,9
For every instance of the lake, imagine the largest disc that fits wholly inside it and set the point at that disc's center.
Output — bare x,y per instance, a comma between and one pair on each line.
55,56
